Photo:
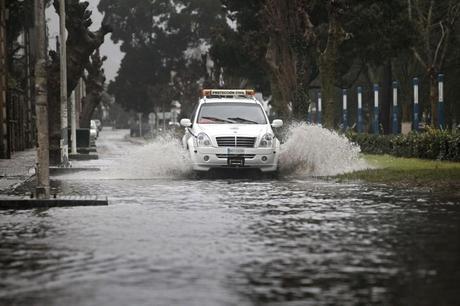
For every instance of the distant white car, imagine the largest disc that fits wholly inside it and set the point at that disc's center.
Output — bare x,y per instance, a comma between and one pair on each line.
93,131
230,129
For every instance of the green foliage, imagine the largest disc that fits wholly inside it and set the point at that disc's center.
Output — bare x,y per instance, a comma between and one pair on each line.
432,144
240,36
166,43
379,30
241,50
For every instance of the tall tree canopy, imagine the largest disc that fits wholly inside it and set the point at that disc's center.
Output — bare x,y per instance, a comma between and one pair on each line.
294,42
281,48
166,44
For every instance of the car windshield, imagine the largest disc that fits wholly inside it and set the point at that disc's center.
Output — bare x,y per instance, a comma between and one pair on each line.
231,113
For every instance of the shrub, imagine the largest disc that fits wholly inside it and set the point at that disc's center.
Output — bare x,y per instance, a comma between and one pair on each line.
432,144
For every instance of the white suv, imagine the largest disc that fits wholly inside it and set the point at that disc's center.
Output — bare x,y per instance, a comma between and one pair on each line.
230,129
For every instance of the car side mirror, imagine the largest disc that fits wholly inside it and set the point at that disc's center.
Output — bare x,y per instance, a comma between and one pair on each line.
277,123
186,123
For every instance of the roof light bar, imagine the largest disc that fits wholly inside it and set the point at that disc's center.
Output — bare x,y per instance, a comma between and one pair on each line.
228,92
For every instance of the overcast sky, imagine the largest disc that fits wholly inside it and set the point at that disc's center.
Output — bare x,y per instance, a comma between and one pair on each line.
112,51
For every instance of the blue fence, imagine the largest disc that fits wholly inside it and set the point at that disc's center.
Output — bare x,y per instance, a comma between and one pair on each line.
315,114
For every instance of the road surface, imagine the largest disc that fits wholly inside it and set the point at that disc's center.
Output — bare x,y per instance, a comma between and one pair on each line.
167,238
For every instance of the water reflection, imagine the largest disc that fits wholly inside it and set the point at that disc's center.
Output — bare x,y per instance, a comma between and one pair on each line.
234,242
352,250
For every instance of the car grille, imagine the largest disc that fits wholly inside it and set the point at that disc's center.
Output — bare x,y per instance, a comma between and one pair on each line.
241,142
246,156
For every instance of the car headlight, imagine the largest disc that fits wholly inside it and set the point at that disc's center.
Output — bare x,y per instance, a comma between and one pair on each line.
203,140
267,141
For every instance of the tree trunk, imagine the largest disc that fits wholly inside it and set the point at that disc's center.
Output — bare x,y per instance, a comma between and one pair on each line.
4,145
387,98
41,106
433,97
327,70
54,112
287,59
90,103
282,64
300,99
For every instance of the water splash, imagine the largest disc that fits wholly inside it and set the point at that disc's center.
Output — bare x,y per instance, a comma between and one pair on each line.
307,151
163,157
124,158
312,150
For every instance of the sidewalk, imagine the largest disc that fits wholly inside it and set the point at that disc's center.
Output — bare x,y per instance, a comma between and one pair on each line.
16,170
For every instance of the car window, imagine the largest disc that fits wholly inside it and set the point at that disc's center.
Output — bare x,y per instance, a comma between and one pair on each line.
231,113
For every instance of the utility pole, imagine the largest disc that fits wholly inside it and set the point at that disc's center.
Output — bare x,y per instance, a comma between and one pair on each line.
63,70
29,84
140,124
164,117
41,105
73,123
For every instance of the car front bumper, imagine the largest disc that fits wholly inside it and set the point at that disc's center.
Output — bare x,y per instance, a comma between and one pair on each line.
204,159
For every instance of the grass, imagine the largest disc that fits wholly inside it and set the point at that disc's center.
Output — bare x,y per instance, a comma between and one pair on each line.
408,172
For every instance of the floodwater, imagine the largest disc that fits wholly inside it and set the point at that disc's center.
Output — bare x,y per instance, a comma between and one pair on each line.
167,238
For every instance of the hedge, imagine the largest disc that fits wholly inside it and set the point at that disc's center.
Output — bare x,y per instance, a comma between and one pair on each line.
432,144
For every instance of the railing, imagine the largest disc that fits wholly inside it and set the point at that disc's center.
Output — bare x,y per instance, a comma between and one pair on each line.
374,112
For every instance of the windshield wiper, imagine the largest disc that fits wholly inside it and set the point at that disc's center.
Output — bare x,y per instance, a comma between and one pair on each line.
217,119
238,119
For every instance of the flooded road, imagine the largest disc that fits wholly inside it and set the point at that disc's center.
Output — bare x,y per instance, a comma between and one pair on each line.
170,239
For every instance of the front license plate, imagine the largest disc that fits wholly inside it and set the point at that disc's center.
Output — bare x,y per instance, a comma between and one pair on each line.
235,151
235,162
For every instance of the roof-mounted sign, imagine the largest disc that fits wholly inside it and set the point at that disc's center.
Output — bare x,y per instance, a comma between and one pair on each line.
228,92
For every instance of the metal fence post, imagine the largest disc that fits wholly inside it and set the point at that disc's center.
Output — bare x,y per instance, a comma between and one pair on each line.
441,114
320,106
344,110
360,110
376,116
395,121
415,119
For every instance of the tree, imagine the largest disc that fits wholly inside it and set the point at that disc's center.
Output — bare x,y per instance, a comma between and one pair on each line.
338,38
239,48
434,23
94,88
81,43
166,45
269,44
327,57
43,188
289,54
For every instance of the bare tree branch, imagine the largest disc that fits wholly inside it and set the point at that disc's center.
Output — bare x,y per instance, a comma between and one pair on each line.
440,43
419,58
